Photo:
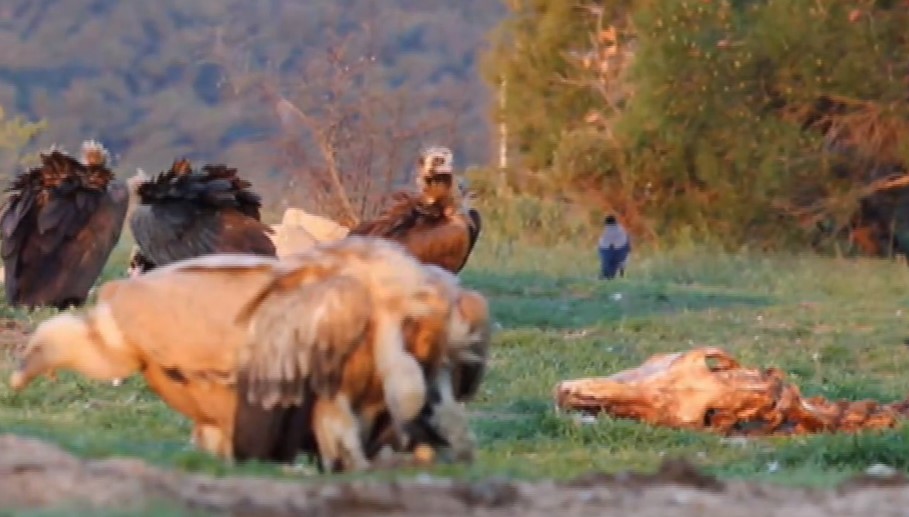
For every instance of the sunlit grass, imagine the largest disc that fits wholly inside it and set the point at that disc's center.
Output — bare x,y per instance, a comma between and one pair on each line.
835,326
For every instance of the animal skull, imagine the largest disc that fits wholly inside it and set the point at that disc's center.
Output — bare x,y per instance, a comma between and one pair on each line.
706,388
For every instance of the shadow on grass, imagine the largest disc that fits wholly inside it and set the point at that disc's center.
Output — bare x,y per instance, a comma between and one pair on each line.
528,300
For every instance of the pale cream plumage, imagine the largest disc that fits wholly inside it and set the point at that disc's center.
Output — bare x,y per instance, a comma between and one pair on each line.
349,349
153,323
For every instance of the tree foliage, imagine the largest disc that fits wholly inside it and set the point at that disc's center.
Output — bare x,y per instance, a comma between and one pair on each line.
752,120
157,80
15,135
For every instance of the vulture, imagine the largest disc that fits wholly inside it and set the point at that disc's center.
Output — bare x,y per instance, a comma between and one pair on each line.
188,361
59,225
443,423
270,359
184,213
434,224
349,331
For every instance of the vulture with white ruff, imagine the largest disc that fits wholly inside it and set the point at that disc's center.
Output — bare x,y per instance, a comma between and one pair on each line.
265,356
59,225
185,213
174,324
434,224
443,424
348,331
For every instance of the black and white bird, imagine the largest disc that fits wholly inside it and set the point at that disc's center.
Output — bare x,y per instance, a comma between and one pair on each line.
614,247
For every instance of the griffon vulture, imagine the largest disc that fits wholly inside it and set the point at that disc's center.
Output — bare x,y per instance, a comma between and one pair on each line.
330,332
59,226
434,224
443,423
175,325
184,213
299,345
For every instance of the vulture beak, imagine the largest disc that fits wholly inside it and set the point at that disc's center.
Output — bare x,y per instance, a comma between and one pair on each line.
31,366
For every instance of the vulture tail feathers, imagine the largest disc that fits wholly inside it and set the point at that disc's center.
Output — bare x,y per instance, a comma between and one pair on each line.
300,339
216,186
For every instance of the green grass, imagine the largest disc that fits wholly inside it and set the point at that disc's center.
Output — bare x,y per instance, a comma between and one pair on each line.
834,326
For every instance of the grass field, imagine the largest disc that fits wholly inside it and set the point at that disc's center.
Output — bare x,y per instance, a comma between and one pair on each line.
836,327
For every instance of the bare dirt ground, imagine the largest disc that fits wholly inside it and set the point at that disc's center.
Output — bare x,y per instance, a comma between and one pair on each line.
37,475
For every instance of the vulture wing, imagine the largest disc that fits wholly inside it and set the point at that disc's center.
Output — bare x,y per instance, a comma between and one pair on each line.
58,227
300,340
395,221
443,244
425,230
89,250
185,214
475,226
176,231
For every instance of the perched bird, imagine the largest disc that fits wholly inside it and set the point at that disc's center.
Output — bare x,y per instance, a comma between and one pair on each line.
434,224
329,333
59,225
175,325
183,213
614,247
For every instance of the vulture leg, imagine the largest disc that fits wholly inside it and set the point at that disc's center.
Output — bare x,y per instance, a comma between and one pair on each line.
442,424
449,418
338,434
211,439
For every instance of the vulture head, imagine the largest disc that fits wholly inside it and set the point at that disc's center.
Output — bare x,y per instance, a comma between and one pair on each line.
93,346
436,165
94,153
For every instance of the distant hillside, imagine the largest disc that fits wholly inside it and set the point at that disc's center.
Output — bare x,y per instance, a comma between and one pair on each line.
154,80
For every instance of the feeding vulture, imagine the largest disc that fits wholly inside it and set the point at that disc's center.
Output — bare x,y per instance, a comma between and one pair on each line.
443,424
369,334
247,335
59,225
184,213
434,224
174,325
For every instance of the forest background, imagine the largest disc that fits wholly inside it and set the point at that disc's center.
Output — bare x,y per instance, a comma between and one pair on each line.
771,124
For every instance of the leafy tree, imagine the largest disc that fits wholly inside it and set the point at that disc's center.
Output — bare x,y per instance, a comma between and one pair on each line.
527,56
148,79
15,135
754,121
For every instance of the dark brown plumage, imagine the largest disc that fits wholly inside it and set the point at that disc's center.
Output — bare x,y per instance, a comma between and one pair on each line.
59,225
432,225
184,213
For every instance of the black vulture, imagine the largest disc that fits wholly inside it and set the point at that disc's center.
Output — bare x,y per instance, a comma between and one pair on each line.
184,213
59,225
434,224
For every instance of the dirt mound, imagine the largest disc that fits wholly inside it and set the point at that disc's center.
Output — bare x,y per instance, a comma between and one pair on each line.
37,475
